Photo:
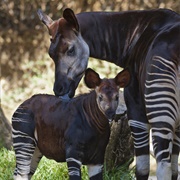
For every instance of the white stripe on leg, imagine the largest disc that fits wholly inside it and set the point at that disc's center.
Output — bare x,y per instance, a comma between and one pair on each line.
94,169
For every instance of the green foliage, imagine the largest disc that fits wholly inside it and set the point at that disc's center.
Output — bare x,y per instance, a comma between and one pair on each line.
7,164
120,173
51,170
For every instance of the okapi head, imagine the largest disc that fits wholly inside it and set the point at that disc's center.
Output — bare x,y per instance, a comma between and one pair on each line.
68,50
107,90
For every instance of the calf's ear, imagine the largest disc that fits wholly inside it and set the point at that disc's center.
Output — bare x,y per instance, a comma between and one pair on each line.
91,78
70,17
122,79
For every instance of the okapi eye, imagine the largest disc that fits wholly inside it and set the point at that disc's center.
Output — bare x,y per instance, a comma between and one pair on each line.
100,98
71,51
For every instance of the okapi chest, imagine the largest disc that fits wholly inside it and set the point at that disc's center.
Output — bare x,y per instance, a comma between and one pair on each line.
76,131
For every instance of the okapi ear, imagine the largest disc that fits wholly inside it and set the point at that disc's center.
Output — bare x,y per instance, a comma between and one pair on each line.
91,78
70,17
122,79
50,24
44,18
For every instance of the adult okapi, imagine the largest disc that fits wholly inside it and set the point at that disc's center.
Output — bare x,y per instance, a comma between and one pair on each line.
148,43
75,130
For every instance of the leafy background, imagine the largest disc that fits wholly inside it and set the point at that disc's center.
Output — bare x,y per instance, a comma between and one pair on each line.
26,68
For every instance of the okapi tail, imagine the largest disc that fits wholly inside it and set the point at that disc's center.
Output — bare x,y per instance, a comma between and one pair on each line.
24,142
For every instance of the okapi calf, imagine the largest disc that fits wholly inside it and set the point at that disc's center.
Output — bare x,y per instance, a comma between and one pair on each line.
76,130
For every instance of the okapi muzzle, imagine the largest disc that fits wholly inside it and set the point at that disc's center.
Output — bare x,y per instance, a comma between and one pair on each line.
68,86
68,50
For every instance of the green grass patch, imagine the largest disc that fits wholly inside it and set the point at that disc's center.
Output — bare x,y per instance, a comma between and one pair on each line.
51,170
7,164
120,173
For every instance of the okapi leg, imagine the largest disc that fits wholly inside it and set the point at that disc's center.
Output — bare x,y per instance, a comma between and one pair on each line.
139,128
162,110
74,168
140,134
23,142
95,172
23,160
175,154
162,145
34,162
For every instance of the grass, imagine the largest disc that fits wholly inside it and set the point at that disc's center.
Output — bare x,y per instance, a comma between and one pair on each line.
51,170
120,173
7,164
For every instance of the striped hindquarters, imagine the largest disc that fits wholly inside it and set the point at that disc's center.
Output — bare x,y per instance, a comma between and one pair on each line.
162,105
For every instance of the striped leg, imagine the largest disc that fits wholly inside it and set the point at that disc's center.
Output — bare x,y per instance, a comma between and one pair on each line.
74,168
162,111
139,127
95,172
175,154
23,152
35,160
140,134
23,143
162,143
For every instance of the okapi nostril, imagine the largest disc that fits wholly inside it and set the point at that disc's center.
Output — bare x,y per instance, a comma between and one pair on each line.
58,90
110,113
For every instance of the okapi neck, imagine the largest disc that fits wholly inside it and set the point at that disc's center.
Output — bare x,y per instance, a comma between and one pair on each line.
114,36
110,36
93,114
